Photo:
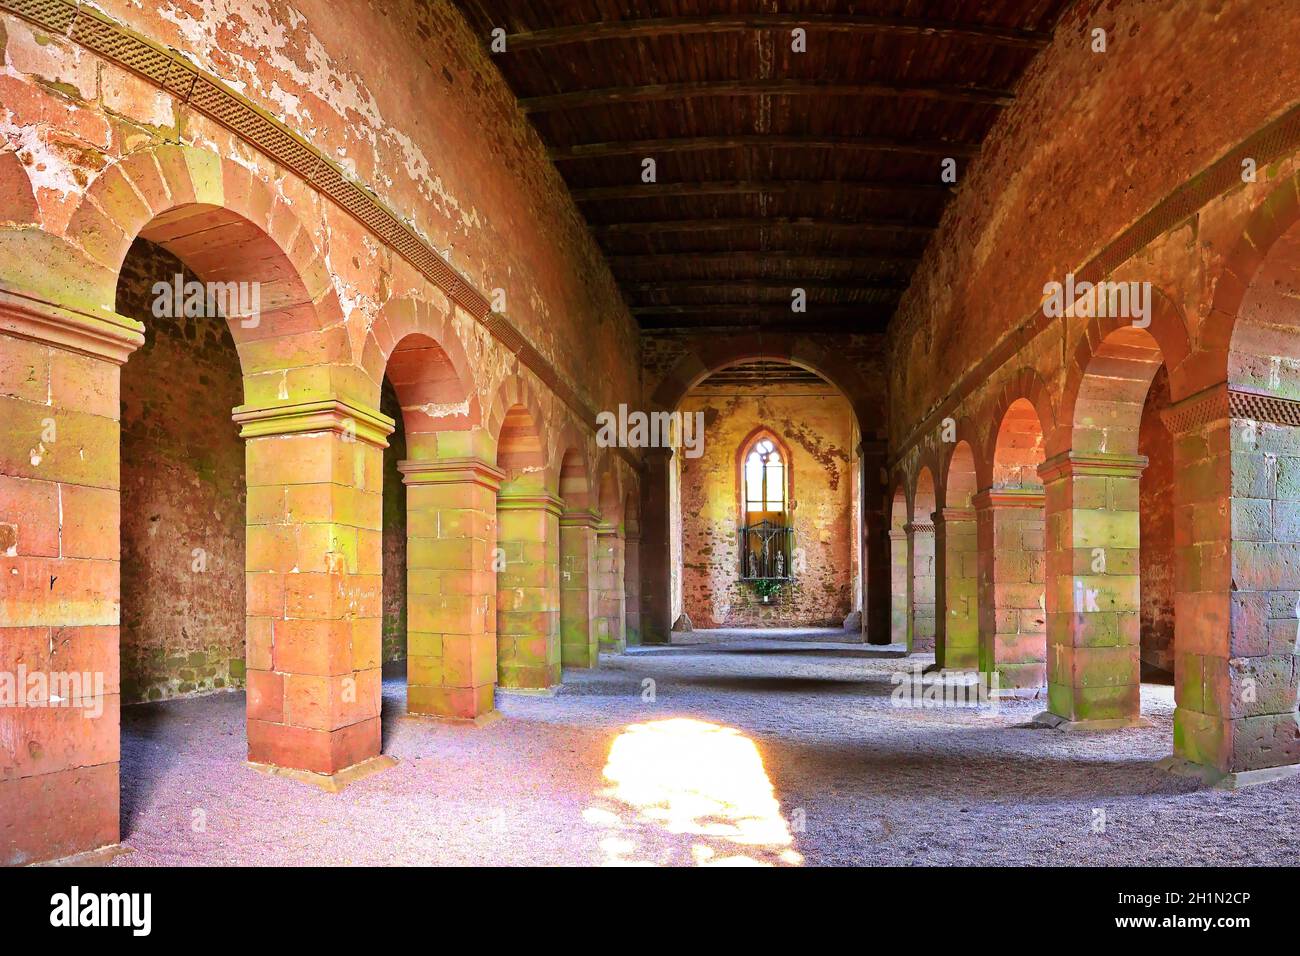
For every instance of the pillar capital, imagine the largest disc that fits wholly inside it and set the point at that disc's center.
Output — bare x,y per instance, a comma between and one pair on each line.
354,422
580,518
101,334
608,529
919,527
1070,464
452,471
531,501
991,498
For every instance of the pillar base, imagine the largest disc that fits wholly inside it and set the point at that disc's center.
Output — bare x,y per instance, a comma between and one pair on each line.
1053,721
482,720
100,857
1182,767
529,691
329,782
1019,693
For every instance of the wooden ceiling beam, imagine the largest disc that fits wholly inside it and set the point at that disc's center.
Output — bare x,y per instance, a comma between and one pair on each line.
695,144
723,23
657,260
658,227
749,187
804,324
655,93
733,285
741,310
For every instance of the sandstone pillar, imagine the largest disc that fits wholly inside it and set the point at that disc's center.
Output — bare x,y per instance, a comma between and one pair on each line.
900,588
451,665
956,547
875,548
920,552
655,549
528,591
1011,586
579,637
1237,573
60,596
611,606
632,588
315,489
1093,588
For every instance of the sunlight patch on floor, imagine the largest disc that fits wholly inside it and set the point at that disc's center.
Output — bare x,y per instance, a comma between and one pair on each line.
701,783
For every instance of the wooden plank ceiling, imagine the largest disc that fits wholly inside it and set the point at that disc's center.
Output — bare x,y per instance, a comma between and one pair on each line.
775,169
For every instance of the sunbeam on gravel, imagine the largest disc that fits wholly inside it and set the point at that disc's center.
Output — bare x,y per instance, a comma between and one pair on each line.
687,791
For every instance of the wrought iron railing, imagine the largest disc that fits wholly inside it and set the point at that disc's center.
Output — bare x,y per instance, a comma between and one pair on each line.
766,550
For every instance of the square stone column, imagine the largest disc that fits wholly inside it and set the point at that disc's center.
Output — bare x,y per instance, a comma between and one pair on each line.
528,591
60,593
579,637
920,550
900,588
451,663
611,608
1011,585
876,561
632,589
315,497
1237,572
656,548
1093,645
956,549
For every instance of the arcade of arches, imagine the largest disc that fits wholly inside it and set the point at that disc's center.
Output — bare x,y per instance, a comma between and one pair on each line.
366,459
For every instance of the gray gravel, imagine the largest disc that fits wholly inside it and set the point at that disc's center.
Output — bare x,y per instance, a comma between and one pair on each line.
854,779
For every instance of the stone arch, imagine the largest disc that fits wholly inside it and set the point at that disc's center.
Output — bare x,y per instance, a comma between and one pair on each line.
1019,446
1263,349
413,343
1027,386
228,226
609,496
517,425
575,484
928,467
1274,218
1107,398
1112,347
715,354
960,473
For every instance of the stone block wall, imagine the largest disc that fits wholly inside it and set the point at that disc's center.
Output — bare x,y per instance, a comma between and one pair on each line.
816,424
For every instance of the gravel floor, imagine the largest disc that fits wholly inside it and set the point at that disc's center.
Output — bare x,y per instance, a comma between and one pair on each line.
743,751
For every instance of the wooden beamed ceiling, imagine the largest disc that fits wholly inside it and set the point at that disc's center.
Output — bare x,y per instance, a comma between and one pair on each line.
774,169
